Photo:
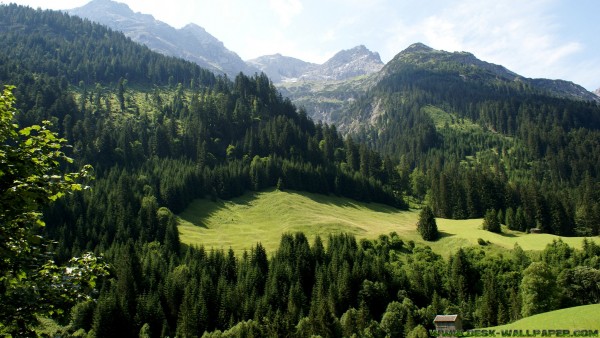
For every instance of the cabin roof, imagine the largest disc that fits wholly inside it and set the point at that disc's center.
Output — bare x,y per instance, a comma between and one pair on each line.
445,318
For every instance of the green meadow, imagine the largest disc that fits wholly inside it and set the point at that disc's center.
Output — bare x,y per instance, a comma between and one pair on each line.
586,317
264,216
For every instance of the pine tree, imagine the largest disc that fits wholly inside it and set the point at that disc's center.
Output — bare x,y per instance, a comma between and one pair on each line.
427,226
491,223
509,219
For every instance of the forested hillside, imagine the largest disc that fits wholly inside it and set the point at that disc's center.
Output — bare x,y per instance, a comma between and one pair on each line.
475,137
161,132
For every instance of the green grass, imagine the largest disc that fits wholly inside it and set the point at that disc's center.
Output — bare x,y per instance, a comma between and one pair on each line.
468,231
442,118
585,317
264,216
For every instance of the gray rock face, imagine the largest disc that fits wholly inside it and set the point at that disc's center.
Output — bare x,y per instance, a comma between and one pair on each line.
567,89
191,42
344,65
281,68
597,91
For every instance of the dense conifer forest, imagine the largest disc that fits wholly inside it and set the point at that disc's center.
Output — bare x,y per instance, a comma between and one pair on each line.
475,142
160,132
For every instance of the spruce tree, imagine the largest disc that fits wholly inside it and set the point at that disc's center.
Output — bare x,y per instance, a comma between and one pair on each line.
491,223
426,225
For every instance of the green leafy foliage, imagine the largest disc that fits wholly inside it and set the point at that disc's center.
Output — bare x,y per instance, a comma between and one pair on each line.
539,289
418,332
31,284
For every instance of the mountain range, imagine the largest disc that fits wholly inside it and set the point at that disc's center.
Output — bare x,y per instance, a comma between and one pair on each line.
325,90
419,65
194,43
344,65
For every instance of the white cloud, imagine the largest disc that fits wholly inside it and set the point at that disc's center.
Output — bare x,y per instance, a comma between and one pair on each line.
329,35
286,10
339,30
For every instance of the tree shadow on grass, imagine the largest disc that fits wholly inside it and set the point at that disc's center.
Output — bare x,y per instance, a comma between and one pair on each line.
443,234
209,207
503,234
345,202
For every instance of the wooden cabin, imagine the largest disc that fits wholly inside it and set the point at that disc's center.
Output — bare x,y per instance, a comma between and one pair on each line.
450,323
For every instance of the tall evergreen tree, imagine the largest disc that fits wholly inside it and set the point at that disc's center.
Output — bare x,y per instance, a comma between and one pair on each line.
426,225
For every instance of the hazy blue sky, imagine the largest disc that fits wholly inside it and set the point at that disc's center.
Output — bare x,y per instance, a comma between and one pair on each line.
535,38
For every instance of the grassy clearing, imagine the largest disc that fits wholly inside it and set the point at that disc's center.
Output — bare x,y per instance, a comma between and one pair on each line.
585,317
469,231
441,118
264,216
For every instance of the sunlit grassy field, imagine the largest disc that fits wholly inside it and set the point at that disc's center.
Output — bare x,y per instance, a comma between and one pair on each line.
585,317
264,216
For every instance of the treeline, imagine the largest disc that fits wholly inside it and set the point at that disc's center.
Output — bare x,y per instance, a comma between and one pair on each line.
530,151
379,288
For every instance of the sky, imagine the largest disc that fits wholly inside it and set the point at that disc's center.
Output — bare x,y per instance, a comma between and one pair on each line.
555,39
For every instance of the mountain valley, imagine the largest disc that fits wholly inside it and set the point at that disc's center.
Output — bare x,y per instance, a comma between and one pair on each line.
279,197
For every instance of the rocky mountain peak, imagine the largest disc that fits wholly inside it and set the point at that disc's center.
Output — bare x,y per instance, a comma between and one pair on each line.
354,55
192,27
417,47
104,9
597,91
192,42
343,65
346,64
